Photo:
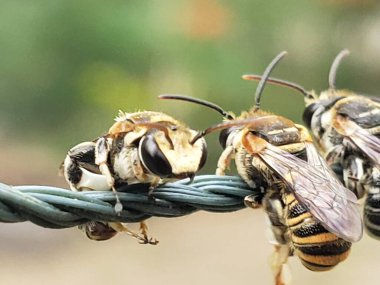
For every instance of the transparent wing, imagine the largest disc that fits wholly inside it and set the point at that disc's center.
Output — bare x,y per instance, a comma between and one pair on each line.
315,187
366,142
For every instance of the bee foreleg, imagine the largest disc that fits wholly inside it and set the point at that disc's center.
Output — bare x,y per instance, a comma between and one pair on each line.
225,160
335,154
101,158
354,175
253,201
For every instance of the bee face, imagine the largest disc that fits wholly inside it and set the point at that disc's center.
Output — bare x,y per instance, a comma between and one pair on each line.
178,159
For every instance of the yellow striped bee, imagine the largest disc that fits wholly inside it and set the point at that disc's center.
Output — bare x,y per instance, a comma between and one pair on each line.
346,127
142,147
310,212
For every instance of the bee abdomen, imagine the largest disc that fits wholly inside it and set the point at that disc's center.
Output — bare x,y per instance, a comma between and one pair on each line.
318,249
372,214
323,256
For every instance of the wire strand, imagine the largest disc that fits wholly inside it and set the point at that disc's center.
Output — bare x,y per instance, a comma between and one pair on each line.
54,207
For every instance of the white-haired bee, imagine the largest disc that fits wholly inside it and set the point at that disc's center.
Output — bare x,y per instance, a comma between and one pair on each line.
142,147
346,127
310,212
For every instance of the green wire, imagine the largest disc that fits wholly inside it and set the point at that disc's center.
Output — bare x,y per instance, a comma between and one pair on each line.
54,207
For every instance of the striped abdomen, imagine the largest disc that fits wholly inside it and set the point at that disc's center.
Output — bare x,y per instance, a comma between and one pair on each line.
318,249
372,214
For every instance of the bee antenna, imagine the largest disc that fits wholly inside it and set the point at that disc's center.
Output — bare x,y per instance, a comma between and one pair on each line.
228,124
216,127
280,82
334,67
200,102
264,78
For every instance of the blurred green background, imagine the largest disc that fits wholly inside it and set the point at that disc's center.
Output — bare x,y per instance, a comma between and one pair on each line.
66,69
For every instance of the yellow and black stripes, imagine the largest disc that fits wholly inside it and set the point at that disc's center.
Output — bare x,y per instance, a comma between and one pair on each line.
318,249
372,214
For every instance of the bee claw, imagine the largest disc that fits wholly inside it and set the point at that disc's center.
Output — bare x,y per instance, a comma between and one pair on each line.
148,240
143,238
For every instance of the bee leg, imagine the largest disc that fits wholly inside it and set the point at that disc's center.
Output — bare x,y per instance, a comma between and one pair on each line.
120,227
334,159
335,155
278,236
253,201
153,185
354,175
279,264
101,157
144,232
225,160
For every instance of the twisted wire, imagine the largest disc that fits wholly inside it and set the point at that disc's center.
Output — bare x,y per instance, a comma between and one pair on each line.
54,207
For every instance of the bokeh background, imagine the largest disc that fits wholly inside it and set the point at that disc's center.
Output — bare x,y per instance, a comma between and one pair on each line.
66,69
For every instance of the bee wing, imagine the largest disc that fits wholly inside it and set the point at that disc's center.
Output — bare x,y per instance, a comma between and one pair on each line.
315,187
365,141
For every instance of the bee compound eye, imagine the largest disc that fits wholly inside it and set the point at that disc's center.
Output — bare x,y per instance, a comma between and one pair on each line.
308,114
153,158
223,136
204,154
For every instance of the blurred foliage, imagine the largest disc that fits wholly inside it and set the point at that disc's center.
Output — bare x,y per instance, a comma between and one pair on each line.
69,66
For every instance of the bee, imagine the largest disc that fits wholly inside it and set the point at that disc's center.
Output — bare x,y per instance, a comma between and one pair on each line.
346,127
311,214
142,147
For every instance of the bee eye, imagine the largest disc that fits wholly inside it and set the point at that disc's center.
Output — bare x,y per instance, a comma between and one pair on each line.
204,155
153,158
223,136
308,113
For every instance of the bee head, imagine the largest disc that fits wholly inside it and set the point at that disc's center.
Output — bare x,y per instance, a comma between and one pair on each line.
317,105
166,151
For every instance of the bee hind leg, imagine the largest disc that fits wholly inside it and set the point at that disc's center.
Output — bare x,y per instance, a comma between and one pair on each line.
279,264
278,236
